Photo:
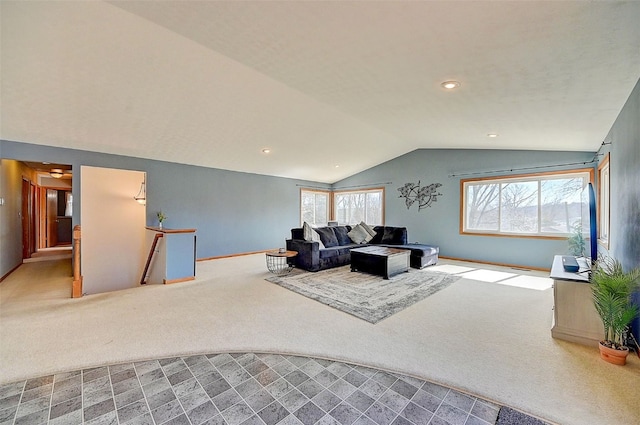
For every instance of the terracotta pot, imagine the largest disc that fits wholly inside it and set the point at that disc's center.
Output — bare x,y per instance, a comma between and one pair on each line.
618,357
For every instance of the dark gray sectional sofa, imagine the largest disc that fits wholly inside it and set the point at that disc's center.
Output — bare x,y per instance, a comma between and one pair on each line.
338,245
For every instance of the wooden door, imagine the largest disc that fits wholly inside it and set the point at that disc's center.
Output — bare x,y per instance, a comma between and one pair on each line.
33,218
52,218
28,218
26,236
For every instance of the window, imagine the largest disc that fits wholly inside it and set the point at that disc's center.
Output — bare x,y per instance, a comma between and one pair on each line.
603,202
314,207
352,207
535,205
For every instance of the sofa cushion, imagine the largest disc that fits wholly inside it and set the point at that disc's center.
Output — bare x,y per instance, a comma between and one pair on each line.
417,250
394,236
359,235
342,235
310,235
378,237
334,251
327,236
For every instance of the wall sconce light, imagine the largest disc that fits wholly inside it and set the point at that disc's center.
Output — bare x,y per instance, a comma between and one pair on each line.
56,173
141,197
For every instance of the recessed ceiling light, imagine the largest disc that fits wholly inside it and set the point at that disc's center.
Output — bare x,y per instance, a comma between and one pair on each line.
492,135
266,150
337,166
450,85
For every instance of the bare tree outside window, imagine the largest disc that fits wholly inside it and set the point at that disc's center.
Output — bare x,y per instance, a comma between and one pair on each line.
519,207
535,204
483,206
314,207
561,205
354,207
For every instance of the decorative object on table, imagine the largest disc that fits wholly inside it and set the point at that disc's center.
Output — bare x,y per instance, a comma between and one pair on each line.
161,218
424,196
577,242
612,289
363,295
280,262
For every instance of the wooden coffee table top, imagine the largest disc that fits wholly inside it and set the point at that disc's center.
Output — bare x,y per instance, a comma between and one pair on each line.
381,251
277,253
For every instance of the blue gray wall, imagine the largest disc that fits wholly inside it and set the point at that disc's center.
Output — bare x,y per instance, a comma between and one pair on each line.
233,212
624,162
440,223
240,212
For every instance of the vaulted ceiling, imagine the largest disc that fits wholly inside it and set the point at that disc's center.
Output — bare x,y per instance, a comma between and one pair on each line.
331,88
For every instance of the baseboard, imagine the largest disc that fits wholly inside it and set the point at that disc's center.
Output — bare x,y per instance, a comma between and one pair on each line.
182,279
240,254
9,272
513,266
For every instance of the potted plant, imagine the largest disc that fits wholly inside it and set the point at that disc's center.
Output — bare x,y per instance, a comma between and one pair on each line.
612,288
161,218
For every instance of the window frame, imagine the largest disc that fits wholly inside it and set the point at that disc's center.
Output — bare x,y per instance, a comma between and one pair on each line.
365,191
517,178
315,192
604,202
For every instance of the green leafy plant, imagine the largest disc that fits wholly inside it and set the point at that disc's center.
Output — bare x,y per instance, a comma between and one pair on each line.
612,288
161,217
577,242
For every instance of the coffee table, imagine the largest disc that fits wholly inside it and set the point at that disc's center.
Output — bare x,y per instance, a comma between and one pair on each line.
380,260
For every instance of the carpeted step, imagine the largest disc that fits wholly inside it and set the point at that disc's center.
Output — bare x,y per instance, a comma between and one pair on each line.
508,416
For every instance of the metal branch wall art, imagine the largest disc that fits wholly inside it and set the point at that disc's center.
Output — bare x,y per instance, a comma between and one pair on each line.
424,196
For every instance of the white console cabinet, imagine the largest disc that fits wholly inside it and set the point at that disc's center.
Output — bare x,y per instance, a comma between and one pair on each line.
574,316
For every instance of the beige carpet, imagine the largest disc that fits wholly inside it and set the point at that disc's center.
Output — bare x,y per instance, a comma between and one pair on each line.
490,339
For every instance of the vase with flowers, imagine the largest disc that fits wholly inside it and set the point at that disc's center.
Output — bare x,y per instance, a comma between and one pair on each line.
161,218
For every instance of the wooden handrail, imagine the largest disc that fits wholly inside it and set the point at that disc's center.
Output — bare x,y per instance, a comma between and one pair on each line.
143,279
76,291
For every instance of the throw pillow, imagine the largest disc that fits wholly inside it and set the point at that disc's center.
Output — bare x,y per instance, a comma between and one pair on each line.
310,235
368,228
394,236
327,236
342,235
387,236
379,233
359,235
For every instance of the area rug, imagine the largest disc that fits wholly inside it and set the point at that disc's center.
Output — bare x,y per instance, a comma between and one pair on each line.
364,295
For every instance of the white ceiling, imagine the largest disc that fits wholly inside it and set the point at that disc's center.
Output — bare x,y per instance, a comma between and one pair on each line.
322,84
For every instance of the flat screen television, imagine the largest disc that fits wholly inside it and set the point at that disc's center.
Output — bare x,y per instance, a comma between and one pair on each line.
589,221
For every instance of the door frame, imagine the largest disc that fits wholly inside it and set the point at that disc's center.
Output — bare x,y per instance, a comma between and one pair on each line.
43,221
28,218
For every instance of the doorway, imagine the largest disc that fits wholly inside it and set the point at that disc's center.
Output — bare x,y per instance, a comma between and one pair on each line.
58,209
47,209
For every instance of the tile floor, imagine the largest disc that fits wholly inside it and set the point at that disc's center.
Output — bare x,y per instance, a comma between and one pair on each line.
238,389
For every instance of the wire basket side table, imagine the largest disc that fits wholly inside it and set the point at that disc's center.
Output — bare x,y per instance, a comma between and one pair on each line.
278,262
